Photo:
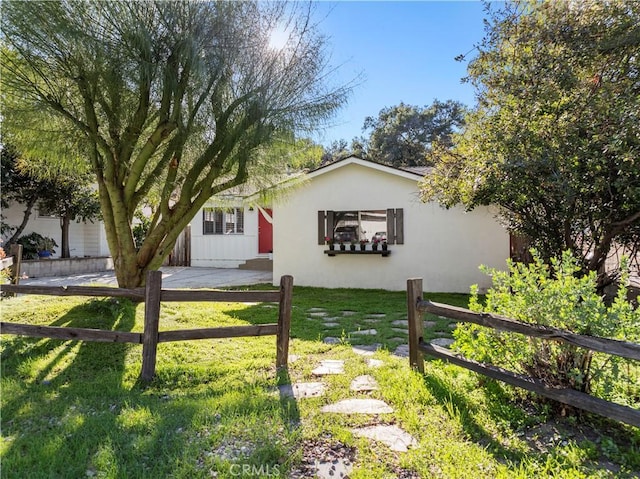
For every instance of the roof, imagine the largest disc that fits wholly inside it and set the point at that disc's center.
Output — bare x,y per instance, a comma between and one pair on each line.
414,173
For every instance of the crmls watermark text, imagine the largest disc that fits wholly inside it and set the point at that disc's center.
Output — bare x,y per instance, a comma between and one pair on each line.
248,470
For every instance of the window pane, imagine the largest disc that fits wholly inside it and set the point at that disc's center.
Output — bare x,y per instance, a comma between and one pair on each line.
364,225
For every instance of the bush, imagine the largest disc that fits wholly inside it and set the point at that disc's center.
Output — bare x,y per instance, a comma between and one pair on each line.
34,242
556,296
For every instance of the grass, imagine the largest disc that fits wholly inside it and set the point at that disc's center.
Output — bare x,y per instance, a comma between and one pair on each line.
72,409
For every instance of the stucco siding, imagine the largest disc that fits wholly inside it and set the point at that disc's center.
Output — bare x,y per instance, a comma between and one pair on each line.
444,247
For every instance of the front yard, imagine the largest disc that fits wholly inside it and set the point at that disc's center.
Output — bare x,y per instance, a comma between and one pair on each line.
72,409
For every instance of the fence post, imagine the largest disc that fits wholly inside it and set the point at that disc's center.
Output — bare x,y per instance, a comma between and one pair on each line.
15,250
414,295
151,322
284,322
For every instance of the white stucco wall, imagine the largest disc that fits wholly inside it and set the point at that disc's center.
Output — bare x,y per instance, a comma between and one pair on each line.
444,247
224,251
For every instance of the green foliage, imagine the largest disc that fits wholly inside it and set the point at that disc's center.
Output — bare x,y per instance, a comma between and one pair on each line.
184,98
404,135
555,296
555,137
34,243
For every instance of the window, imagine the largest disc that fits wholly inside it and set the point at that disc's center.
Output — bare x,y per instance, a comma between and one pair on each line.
223,221
363,225
44,212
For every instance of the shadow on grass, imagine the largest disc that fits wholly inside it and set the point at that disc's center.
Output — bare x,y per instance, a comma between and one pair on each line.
74,409
459,408
63,403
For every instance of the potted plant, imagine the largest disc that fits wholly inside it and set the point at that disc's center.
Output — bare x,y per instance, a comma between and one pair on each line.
342,246
329,241
374,244
45,247
363,244
352,247
384,246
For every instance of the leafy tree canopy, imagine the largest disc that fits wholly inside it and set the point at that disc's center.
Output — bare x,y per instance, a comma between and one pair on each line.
555,139
403,135
183,96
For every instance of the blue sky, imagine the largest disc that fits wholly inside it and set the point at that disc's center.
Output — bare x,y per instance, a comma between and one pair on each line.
403,50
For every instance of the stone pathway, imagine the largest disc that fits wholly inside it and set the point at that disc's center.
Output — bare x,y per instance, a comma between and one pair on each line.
326,458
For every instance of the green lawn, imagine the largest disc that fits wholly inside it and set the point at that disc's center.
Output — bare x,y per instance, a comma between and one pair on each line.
72,409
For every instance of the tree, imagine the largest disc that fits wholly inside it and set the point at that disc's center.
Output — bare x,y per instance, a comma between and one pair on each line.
63,195
340,149
19,187
184,96
555,138
71,199
403,135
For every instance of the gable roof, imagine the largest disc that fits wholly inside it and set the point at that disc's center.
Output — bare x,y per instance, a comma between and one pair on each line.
410,174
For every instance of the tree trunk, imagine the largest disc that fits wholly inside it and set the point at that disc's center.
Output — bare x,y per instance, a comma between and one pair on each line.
25,219
64,223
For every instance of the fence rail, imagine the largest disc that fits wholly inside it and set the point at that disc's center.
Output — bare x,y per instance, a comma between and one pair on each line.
417,347
153,295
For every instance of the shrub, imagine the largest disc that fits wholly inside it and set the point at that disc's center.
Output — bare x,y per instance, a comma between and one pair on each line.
34,242
556,296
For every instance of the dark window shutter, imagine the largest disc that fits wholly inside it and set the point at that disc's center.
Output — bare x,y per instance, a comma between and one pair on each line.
330,225
321,227
399,226
391,227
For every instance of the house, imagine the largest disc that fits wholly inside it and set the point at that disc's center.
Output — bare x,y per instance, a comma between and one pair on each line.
85,238
232,231
354,200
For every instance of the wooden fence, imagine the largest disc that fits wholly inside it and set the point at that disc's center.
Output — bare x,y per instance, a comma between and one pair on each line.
153,295
417,347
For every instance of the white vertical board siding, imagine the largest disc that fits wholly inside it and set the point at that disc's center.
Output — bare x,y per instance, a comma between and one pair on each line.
85,239
444,247
224,251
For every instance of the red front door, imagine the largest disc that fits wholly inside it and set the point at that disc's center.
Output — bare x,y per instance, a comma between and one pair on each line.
265,233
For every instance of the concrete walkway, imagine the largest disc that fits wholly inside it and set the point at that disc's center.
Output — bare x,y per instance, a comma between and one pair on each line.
172,277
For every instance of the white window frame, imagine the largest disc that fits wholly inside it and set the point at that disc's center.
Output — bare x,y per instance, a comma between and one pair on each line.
223,221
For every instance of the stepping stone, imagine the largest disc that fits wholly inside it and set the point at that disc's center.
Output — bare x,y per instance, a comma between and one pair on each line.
327,318
348,313
293,358
319,314
315,310
400,322
364,383
358,406
428,324
371,321
331,340
336,468
302,390
366,332
374,363
331,324
444,342
400,330
398,340
394,437
366,349
402,351
452,325
329,366
376,315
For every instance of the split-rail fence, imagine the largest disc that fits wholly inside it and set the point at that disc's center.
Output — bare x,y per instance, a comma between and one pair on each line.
152,295
417,347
